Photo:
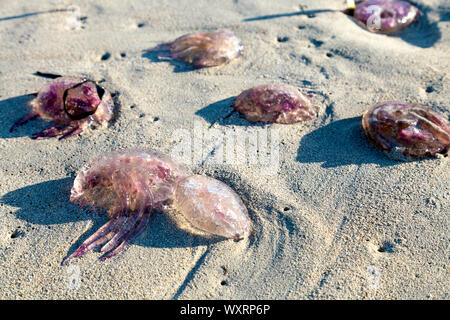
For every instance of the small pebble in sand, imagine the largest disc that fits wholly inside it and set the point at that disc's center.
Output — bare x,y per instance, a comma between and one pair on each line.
131,184
74,104
204,49
406,131
385,16
275,103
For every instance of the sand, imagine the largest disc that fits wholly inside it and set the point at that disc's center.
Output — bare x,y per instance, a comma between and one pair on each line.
332,218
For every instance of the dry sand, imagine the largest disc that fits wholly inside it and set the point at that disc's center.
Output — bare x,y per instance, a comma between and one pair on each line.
338,220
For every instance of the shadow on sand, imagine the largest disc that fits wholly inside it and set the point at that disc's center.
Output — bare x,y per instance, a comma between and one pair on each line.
340,143
221,113
161,56
423,33
13,109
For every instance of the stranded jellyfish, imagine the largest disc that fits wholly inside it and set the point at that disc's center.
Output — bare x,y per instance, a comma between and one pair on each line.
406,131
130,185
385,16
74,104
275,103
204,49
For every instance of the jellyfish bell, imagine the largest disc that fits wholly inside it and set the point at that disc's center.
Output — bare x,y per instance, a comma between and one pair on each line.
384,16
212,206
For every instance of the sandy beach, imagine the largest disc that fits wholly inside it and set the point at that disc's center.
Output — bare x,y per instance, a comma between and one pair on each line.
331,216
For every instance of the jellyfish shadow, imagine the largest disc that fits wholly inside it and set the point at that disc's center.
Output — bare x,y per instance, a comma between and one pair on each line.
43,203
12,110
423,33
47,203
341,143
222,113
161,55
445,14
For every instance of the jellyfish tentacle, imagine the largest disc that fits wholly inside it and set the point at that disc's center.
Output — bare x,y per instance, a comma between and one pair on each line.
141,226
140,201
28,117
131,235
107,234
49,132
100,236
129,224
71,132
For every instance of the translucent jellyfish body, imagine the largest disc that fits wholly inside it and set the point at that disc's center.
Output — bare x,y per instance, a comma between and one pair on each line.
407,131
385,16
218,209
205,49
275,103
132,184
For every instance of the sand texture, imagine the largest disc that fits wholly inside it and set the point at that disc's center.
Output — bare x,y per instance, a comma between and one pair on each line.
335,219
